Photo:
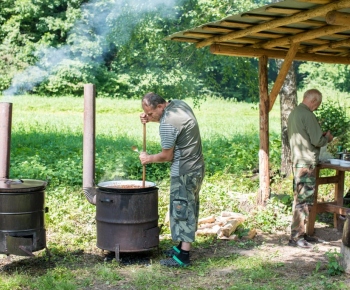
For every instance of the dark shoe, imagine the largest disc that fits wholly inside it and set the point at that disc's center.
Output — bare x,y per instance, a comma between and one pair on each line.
310,239
171,252
174,262
299,243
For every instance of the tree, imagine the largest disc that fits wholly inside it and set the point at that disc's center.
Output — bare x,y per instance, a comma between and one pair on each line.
288,100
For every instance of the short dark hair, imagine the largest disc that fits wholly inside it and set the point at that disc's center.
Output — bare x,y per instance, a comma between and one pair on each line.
152,100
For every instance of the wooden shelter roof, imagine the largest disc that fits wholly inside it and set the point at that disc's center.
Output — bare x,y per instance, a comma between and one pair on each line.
311,30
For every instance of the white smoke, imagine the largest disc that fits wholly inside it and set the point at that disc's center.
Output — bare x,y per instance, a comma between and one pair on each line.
88,40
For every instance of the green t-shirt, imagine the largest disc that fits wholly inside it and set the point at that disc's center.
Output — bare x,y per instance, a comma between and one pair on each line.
305,136
179,129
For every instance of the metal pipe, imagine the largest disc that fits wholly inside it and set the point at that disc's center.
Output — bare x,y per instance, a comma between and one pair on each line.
89,143
5,139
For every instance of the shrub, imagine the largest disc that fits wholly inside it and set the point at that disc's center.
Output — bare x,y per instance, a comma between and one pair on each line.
332,116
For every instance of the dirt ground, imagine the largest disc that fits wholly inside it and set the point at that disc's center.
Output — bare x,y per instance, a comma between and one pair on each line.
272,247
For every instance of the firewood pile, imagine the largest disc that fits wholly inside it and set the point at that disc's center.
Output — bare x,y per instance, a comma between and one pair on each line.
222,226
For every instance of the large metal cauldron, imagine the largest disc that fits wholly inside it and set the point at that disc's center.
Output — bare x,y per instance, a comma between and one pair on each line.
22,225
127,216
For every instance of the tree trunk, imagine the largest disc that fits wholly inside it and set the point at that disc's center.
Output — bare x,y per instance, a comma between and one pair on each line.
288,100
264,173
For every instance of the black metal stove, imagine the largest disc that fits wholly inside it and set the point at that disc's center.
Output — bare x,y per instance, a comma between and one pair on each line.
22,221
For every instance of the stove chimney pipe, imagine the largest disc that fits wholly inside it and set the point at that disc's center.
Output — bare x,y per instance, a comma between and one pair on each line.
89,143
5,139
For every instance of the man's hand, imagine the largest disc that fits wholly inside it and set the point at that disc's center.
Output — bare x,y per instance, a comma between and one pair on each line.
329,136
143,118
144,158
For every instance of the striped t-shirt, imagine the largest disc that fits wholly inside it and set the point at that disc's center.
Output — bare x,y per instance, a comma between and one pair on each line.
179,129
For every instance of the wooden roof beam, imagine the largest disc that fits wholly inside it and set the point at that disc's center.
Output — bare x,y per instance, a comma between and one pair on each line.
269,18
283,73
272,53
301,16
338,18
316,1
246,25
183,39
345,42
312,34
197,34
282,10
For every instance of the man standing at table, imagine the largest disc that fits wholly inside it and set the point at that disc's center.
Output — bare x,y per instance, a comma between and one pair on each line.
306,139
182,146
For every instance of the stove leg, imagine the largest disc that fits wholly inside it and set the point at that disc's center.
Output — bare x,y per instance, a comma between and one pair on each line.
48,253
117,252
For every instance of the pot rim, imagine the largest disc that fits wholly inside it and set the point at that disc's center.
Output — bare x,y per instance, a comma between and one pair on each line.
112,186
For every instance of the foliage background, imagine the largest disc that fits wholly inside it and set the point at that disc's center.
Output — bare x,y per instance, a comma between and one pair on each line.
52,48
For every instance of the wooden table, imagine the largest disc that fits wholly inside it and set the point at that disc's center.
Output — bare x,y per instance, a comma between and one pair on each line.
335,206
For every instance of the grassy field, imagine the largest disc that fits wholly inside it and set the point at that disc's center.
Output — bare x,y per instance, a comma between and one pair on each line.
47,145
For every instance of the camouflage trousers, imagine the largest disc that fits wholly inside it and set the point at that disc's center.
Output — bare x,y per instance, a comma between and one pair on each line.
304,188
184,205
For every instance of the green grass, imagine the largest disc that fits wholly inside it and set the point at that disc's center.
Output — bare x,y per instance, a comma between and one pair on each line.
47,144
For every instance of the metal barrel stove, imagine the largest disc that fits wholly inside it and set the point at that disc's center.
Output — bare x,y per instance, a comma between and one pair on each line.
127,216
22,220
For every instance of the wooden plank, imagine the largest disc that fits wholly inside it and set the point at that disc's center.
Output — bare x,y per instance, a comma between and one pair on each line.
245,40
264,174
281,10
283,73
231,44
183,39
332,166
302,16
316,1
234,24
338,18
328,179
308,22
258,16
332,208
255,52
197,34
284,30
312,34
216,29
267,35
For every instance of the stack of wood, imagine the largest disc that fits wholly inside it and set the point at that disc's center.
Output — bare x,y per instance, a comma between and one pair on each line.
223,226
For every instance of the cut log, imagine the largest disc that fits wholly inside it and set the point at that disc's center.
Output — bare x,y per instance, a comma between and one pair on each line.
231,214
229,227
209,219
250,235
208,231
209,225
230,238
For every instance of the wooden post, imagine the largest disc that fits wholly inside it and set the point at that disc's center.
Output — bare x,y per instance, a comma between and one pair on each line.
264,174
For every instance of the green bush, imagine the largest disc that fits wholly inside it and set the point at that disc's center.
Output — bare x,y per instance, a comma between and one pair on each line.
332,116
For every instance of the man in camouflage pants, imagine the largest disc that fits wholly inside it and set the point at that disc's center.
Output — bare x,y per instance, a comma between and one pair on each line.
182,146
306,139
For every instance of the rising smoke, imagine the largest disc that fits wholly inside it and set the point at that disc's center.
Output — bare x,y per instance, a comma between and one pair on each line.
88,41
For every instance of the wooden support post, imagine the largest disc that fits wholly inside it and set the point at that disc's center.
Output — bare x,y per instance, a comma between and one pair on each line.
338,194
283,73
264,174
